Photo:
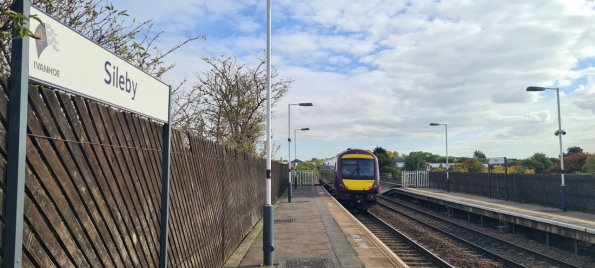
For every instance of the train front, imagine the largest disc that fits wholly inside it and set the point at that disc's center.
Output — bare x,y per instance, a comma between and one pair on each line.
357,179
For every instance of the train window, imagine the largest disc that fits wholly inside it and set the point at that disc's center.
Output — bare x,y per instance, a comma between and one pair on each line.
357,169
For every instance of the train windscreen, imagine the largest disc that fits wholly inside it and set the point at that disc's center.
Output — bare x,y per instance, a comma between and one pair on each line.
357,169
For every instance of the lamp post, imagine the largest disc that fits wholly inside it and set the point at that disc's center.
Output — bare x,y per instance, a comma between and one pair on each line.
446,132
268,232
289,193
558,133
295,151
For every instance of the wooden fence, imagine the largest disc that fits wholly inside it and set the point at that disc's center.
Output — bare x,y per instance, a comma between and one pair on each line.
93,189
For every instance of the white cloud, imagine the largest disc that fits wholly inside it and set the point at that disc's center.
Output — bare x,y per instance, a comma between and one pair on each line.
378,72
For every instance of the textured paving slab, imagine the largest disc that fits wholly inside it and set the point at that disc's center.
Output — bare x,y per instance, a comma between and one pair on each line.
315,231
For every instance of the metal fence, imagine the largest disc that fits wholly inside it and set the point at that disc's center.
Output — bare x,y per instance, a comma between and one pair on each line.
540,189
415,179
304,177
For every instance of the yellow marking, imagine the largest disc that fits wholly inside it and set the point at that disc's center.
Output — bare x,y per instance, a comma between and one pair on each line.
358,185
363,156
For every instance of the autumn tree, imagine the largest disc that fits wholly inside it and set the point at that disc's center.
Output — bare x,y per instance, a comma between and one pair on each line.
386,164
573,163
500,169
228,103
393,154
458,168
474,165
99,21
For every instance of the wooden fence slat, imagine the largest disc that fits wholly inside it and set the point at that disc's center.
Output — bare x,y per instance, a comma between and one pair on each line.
143,193
177,219
103,195
128,174
54,163
155,136
183,190
92,194
103,155
101,123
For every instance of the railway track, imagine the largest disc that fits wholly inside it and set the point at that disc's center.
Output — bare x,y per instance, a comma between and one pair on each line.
506,253
408,250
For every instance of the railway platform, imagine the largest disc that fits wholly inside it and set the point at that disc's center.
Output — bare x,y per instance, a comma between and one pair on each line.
314,230
571,224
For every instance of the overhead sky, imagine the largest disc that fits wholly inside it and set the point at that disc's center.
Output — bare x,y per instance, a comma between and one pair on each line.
379,72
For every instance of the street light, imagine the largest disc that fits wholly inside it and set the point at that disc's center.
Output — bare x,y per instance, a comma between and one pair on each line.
446,132
268,231
557,133
289,193
295,151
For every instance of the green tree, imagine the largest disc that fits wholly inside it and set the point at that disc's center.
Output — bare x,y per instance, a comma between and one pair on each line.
317,161
479,155
474,165
539,162
589,165
573,150
434,158
415,161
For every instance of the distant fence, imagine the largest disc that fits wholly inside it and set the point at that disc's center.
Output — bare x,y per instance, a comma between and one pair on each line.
540,189
304,177
93,189
415,179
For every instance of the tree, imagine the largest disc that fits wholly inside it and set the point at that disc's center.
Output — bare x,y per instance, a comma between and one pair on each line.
386,164
228,103
393,154
415,161
573,150
99,21
479,155
434,158
500,169
458,168
474,165
589,165
317,161
539,162
573,163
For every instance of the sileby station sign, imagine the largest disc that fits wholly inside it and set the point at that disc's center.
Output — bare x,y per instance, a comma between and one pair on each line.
63,58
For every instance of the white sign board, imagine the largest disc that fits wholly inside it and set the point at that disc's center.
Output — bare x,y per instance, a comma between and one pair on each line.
67,60
496,160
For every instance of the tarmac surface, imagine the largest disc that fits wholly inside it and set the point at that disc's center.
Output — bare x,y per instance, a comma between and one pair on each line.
313,231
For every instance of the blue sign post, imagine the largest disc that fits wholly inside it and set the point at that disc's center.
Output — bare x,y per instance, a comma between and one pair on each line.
16,151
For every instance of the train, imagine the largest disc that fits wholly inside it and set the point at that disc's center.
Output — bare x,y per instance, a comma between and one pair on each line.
353,178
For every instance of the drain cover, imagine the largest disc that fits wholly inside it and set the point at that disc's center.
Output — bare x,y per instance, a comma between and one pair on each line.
284,220
306,263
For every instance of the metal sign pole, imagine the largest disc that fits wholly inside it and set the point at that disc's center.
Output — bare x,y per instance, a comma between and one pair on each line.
489,182
17,138
165,175
506,177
